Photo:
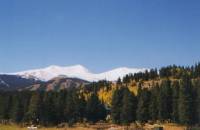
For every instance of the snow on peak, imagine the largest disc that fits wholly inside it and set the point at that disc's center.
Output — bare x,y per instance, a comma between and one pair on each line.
77,71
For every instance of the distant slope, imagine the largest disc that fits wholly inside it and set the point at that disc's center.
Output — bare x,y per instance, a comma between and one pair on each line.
77,71
58,83
13,82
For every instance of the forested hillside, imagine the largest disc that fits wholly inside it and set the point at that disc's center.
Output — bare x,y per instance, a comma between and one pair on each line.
15,82
170,94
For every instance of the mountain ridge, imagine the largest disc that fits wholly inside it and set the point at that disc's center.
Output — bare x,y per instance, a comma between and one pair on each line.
14,82
57,84
77,71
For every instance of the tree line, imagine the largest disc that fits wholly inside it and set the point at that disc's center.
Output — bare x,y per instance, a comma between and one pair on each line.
50,108
173,101
174,97
172,71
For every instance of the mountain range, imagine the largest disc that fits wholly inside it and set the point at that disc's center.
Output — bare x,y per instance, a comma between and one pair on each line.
77,71
57,77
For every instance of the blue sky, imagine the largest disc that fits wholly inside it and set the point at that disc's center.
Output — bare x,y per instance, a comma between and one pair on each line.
99,34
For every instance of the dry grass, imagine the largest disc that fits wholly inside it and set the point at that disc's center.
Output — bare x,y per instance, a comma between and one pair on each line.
10,127
15,127
169,126
173,127
76,128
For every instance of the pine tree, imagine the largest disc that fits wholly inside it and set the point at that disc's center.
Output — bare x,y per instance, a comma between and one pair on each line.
143,105
18,110
175,95
165,101
126,79
116,105
198,104
129,105
119,81
25,99
7,107
197,101
1,105
185,101
153,106
48,112
81,107
71,109
95,109
60,106
34,110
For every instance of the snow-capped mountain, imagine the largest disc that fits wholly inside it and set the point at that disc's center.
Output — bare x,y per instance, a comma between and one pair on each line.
76,71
